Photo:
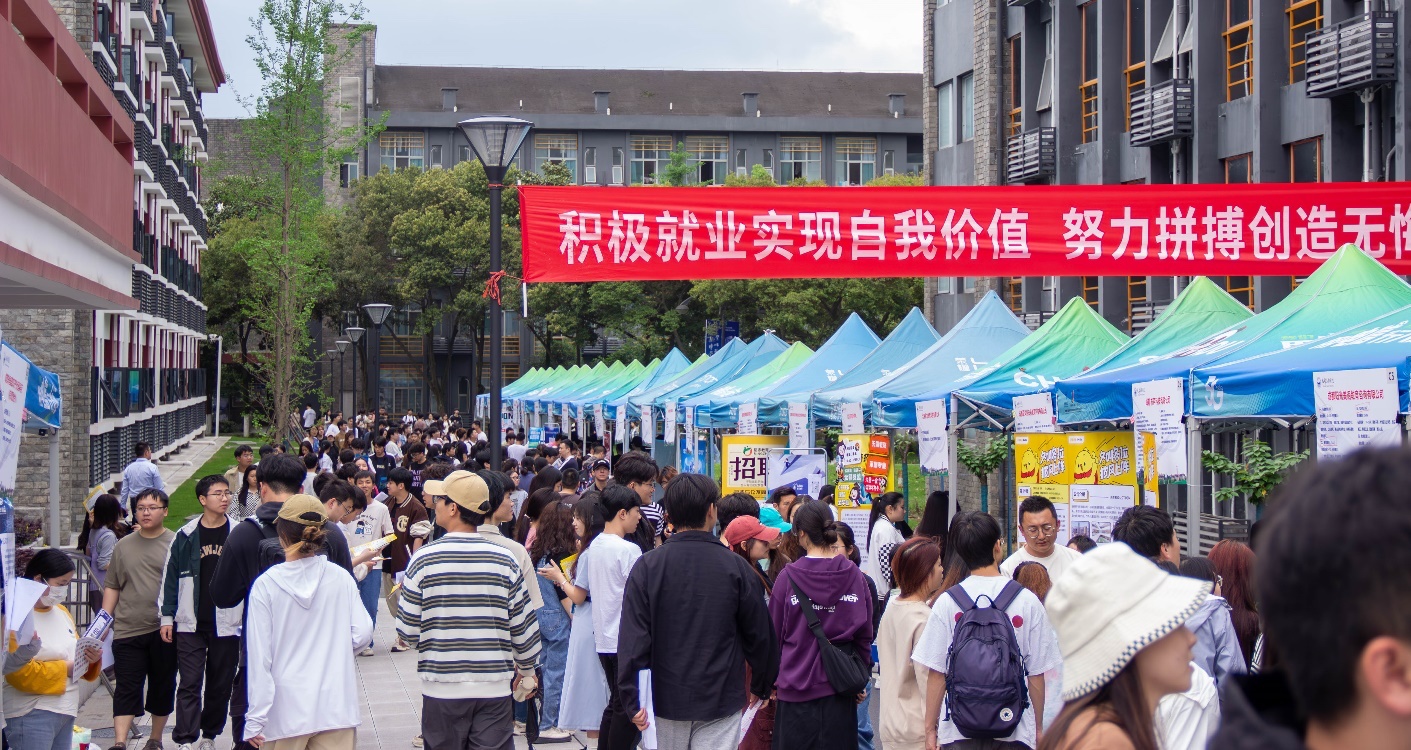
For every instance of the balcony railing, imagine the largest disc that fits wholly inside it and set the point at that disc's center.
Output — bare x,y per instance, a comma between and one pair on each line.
1355,54
1163,112
1143,313
143,242
1035,319
160,27
105,68
1032,154
142,6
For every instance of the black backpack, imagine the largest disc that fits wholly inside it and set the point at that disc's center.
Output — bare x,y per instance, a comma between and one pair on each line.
270,551
987,687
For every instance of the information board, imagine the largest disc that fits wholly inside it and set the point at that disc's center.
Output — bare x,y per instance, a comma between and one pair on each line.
1355,408
745,463
1090,477
862,470
1034,413
1157,406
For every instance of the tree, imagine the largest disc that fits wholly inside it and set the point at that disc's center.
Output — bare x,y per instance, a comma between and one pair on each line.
284,248
1256,475
680,169
982,461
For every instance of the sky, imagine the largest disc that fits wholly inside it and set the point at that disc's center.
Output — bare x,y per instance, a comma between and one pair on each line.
882,36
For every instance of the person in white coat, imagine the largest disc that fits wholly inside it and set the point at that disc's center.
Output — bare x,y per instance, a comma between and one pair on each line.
305,618
883,538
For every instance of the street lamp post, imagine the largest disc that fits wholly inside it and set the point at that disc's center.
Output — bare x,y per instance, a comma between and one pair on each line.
495,141
355,335
377,312
343,345
331,381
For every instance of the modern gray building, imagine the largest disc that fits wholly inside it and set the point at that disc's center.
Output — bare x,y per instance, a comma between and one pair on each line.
1159,91
615,128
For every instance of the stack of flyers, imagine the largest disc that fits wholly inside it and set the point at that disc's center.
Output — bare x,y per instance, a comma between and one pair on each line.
92,637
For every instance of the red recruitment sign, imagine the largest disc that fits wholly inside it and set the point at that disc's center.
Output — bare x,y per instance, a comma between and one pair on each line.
654,233
874,485
879,445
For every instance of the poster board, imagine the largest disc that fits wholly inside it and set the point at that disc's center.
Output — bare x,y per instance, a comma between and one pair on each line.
1157,407
931,436
1034,413
799,435
1091,477
745,463
862,470
1355,408
748,423
805,472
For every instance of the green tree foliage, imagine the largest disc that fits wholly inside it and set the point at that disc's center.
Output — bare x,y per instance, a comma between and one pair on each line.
1258,472
905,179
680,170
982,461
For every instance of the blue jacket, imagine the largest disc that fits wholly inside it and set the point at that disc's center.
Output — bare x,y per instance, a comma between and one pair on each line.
1217,648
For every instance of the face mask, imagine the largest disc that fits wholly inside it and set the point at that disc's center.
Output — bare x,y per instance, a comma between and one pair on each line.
54,596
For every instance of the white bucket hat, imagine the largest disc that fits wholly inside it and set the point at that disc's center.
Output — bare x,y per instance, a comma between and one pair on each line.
1111,604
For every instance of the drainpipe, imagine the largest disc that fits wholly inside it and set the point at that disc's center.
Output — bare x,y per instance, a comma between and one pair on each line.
1371,136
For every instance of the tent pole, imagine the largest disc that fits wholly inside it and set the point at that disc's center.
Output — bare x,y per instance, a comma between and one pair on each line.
54,488
1193,495
953,459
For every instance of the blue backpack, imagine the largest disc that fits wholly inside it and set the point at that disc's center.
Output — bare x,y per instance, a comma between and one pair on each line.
987,685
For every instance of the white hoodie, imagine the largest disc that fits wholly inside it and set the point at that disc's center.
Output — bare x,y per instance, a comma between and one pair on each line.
305,622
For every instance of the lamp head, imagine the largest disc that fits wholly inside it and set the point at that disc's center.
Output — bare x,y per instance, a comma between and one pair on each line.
495,141
342,345
355,334
378,312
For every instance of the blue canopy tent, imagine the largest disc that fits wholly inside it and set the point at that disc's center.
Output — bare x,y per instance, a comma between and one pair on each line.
757,354
909,340
986,332
719,406
848,345
674,365
645,399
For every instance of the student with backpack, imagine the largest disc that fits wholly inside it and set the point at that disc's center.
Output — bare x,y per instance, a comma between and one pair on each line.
986,645
820,601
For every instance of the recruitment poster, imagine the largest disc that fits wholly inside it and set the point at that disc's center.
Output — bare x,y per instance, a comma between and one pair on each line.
931,436
799,437
1091,477
14,369
1034,413
862,470
805,473
1355,408
1157,406
748,423
745,462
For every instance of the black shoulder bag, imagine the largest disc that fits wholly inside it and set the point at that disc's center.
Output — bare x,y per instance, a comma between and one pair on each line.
846,671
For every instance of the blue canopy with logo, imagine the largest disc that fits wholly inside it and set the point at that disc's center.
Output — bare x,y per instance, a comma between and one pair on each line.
845,348
912,337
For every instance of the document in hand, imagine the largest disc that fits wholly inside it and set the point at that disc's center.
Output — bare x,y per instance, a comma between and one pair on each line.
19,608
644,699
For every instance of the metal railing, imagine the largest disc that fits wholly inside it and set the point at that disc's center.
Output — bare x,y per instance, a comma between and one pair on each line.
1163,112
1032,154
1354,54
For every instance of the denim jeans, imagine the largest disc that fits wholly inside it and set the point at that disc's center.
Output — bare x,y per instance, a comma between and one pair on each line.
370,591
40,730
864,721
554,628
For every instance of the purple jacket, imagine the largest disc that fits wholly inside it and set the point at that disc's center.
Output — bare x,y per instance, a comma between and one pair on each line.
844,606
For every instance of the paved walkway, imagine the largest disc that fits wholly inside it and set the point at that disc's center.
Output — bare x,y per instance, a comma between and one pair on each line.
179,467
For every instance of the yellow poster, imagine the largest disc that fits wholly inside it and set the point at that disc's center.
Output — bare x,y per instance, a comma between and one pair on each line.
1090,477
864,469
745,462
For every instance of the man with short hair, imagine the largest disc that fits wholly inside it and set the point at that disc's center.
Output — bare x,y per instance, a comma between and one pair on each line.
698,692
1038,522
310,473
501,512
977,540
417,464
566,459
139,476
1334,592
465,606
601,473
638,472
244,459
207,637
406,512
310,416
140,655
513,448
1149,532
611,557
381,462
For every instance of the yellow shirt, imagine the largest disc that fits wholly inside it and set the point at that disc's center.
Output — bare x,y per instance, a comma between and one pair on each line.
44,683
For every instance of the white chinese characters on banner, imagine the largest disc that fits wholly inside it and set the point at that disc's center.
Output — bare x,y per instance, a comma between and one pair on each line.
798,426
619,432
599,421
1034,413
749,419
852,418
565,425
690,418
649,429
1355,408
14,379
931,435
1156,408
668,422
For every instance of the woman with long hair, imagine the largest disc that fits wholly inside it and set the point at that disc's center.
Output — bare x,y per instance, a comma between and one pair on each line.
888,510
917,570
956,570
585,686
935,516
42,691
1119,621
525,528
102,537
1217,647
305,618
548,477
810,714
553,540
1034,577
1234,563
847,547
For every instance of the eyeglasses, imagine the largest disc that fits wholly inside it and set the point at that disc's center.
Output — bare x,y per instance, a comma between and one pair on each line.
1047,529
150,508
220,493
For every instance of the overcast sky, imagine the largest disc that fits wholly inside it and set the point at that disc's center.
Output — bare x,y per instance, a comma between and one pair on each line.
845,35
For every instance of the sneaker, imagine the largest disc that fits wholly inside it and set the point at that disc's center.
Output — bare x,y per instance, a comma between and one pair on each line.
118,746
519,728
416,741
185,746
366,652
555,734
154,743
399,647
206,744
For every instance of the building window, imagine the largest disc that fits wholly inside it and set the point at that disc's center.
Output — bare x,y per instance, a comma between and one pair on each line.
801,158
1087,90
711,155
1048,301
1135,69
1014,80
1305,17
967,107
945,285
556,148
1090,290
1136,296
1239,50
889,162
590,166
1306,161
1016,294
1241,288
967,284
650,155
768,162
402,150
1239,170
617,159
436,156
742,162
1045,101
348,172
945,115
856,160
465,153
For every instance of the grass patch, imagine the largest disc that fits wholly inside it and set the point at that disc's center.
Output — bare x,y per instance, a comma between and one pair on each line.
183,499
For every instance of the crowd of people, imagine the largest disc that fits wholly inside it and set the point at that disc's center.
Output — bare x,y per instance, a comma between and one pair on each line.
569,593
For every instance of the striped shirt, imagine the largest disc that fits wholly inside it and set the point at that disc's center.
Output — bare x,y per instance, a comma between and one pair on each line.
465,607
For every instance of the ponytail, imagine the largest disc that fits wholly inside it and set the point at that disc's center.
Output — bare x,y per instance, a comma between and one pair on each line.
304,540
814,521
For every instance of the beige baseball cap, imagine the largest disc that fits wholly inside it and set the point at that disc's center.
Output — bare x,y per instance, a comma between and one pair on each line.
464,489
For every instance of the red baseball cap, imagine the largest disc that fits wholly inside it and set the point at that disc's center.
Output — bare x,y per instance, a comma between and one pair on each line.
748,527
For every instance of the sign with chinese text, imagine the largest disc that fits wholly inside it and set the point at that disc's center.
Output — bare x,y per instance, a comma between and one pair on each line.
1034,413
1355,408
1090,477
14,382
799,435
852,417
690,429
599,422
862,469
576,234
748,423
745,462
931,435
668,421
1157,406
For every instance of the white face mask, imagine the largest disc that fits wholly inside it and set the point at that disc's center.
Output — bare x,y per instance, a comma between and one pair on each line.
55,596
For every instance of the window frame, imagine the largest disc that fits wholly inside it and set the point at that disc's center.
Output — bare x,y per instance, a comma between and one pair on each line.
648,150
717,147
1014,78
791,147
413,143
590,165
1233,161
1087,87
1298,45
945,115
966,111
556,148
850,152
1134,70
1292,148
1239,42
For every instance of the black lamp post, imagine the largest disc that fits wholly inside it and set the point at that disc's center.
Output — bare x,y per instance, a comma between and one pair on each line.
495,141
331,381
377,312
343,345
355,335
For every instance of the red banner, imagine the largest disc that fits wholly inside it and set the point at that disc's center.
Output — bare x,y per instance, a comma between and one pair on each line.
654,233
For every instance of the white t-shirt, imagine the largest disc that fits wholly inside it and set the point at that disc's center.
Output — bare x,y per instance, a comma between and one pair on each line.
608,560
1056,563
1038,644
373,523
1186,721
517,451
309,417
394,450
330,430
884,532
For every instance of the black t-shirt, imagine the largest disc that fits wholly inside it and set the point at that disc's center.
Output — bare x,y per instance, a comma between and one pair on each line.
212,542
382,464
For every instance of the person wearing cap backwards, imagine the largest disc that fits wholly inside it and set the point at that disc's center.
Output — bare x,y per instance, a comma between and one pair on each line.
693,613
602,473
1119,620
305,619
468,671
